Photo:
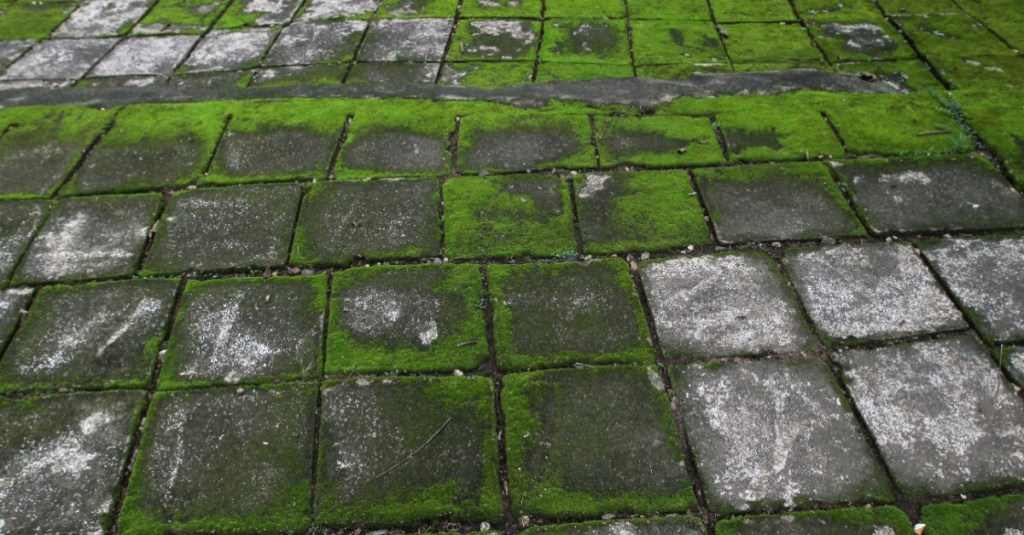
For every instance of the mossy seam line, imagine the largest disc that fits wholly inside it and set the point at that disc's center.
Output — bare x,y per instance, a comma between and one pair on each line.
92,67
576,231
720,33
835,131
195,45
70,175
303,192
18,325
986,26
48,213
593,139
810,34
342,138
136,439
149,9
151,231
362,39
848,195
453,148
629,37
216,147
952,107
703,206
540,40
720,137
499,413
448,43
318,413
913,46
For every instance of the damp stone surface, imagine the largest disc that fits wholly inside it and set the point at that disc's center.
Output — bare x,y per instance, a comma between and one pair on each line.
137,56
519,142
18,223
226,50
12,303
308,43
406,40
885,520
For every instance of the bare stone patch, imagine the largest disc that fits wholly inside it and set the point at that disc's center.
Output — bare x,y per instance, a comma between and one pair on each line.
226,50
871,291
721,305
944,417
18,222
521,145
63,59
305,43
393,73
319,74
336,9
157,55
771,434
861,37
61,460
394,150
406,40
89,238
274,152
102,18
12,303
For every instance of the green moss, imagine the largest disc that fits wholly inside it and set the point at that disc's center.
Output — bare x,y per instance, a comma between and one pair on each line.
673,42
571,9
838,9
373,139
997,120
417,8
952,35
922,7
975,517
487,75
481,40
678,525
490,140
238,15
846,39
990,74
771,43
777,133
658,141
188,16
507,216
902,73
571,72
896,125
33,20
669,9
602,41
682,71
501,9
747,11
861,520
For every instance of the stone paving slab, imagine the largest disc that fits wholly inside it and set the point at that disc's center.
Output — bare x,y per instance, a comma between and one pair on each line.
998,514
226,50
1014,364
777,135
186,16
406,40
866,521
335,42
397,145
658,526
139,56
100,17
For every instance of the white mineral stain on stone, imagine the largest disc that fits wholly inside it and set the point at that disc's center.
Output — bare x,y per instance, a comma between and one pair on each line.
82,244
383,312
883,530
271,11
912,177
655,378
102,17
146,55
593,183
406,40
225,49
329,9
863,36
234,353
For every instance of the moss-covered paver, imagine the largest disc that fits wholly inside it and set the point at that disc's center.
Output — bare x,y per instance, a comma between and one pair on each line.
863,521
987,515
660,141
659,526
514,140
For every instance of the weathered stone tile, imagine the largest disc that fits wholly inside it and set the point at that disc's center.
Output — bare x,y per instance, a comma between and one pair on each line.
871,292
318,10
521,141
402,143
640,211
953,34
152,147
146,55
656,141
659,42
985,277
996,514
869,520
305,43
61,459
868,38
406,40
18,222
12,303
407,318
680,70
775,202
181,16
742,11
769,434
33,20
896,125
1014,364
595,9
582,443
95,335
259,13
506,216
90,238
240,227
63,59
771,43
931,195
216,458
417,8
585,41
548,315
381,220
490,39
722,305
227,50
95,18
487,74
657,526
943,416
393,73
497,9
12,50
320,74
777,133
407,450
247,330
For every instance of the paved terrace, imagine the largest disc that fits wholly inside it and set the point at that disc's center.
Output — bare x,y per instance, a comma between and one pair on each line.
556,267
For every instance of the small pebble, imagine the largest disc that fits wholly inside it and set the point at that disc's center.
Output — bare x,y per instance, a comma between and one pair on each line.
828,240
239,391
645,255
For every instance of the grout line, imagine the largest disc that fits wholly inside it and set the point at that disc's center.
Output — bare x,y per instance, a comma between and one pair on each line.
318,415
216,148
720,136
629,37
835,131
913,46
202,36
810,35
721,35
92,68
990,30
336,153
448,44
303,191
147,248
20,323
848,195
703,207
47,215
453,147
576,230
593,139
540,39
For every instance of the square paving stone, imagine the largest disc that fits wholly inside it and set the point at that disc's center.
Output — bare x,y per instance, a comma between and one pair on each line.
304,43
407,450
152,147
490,39
548,315
661,42
259,13
770,434
227,50
240,227
63,59
771,43
214,460
640,211
319,10
775,202
843,39
90,238
871,292
18,223
487,74
95,18
404,142
507,216
897,125
669,9
94,335
869,520
246,330
33,20
378,220
511,141
984,276
944,417
502,8
953,34
668,141
582,443
745,11
406,40
656,526
585,41
778,133
417,8
146,55
12,303
181,16
61,459
393,73
996,514
407,319
722,305
932,195
282,140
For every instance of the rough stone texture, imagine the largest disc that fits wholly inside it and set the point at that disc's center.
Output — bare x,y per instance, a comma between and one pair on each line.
215,458
247,330
305,43
96,335
103,17
558,314
775,433
1015,365
583,442
35,163
393,73
89,238
320,74
378,149
1003,515
59,60
406,40
146,56
12,303
334,9
864,39
495,40
720,305
885,520
266,12
407,318
240,227
407,450
871,291
520,144
275,152
656,141
12,50
943,416
18,222
61,459
660,526
765,203
377,220
226,50
955,194
985,277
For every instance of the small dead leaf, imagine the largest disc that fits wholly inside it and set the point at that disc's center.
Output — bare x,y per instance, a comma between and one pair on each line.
919,529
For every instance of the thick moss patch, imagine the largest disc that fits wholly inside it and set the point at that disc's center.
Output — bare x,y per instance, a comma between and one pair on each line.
661,140
658,526
33,20
674,42
570,72
487,74
669,9
952,35
188,16
777,133
866,521
746,11
577,40
770,43
502,8
404,142
998,514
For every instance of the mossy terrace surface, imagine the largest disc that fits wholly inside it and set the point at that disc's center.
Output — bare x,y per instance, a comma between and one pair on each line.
278,311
